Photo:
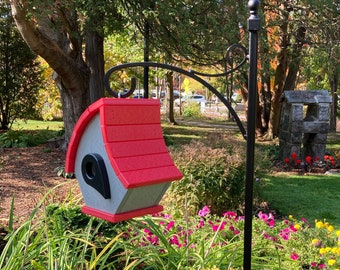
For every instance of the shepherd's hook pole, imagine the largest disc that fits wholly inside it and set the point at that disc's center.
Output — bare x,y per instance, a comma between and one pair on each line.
253,28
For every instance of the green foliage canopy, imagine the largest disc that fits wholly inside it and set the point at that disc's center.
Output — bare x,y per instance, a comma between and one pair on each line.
20,77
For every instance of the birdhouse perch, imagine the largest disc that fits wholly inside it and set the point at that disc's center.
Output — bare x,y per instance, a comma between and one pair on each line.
119,157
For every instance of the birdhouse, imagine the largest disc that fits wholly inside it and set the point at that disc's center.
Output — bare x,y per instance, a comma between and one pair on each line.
119,157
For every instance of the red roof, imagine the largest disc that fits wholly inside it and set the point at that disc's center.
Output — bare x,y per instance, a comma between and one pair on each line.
133,140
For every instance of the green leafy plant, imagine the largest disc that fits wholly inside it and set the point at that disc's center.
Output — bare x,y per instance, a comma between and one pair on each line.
212,176
192,109
61,238
23,138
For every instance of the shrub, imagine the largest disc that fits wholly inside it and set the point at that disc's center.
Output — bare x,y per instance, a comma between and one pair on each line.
192,109
213,177
21,138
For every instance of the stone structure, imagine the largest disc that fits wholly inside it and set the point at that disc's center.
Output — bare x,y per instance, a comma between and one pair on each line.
304,123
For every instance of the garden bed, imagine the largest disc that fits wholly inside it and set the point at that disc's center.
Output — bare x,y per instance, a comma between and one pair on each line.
26,174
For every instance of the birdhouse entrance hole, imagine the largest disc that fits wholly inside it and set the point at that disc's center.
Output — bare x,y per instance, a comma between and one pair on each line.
95,175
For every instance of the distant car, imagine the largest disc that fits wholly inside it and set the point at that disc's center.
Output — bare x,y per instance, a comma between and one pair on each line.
162,94
192,98
236,98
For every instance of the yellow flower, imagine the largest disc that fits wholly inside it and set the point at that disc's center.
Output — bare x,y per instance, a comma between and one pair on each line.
325,250
331,262
334,250
290,217
330,228
316,242
319,224
297,226
322,251
328,249
338,233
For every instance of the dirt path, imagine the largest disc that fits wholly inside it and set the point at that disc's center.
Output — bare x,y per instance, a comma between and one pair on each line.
27,174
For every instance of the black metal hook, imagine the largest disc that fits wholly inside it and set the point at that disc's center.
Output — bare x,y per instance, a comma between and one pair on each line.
124,95
182,71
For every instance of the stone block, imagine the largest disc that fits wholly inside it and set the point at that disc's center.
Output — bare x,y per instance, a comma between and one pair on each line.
324,112
297,112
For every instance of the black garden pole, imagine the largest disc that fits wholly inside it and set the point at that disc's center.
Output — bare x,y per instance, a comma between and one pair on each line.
253,28
146,59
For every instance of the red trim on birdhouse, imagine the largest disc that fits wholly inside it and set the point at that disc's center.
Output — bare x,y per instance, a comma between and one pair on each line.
133,140
122,216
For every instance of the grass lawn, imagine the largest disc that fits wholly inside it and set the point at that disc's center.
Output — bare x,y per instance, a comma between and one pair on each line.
310,196
37,125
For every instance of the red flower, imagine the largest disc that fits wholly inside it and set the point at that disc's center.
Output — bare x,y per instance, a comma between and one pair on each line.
286,160
309,159
294,156
298,162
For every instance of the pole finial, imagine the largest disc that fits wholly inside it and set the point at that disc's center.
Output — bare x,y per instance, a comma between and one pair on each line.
254,20
253,6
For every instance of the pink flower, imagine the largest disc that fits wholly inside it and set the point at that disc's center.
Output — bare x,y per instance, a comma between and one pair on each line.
174,240
218,227
214,227
304,220
201,224
284,234
229,214
292,227
269,219
170,225
294,256
204,211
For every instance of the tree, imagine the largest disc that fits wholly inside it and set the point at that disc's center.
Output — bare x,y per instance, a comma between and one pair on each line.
20,76
69,35
290,28
188,32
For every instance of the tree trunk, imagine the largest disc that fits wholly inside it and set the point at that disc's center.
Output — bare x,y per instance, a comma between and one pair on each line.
94,52
334,81
264,104
72,108
333,74
63,51
295,59
169,98
280,76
